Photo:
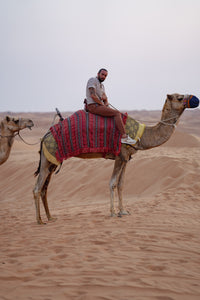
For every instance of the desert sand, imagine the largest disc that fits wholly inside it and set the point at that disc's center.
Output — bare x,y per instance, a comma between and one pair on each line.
86,255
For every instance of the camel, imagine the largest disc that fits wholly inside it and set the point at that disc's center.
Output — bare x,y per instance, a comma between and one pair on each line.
153,136
10,127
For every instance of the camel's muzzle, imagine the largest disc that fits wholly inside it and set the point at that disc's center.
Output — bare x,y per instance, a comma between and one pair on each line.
191,102
30,125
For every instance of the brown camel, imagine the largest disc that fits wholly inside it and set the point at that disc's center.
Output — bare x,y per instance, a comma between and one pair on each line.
153,136
10,127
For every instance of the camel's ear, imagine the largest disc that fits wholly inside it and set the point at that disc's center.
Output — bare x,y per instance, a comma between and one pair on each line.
7,118
169,97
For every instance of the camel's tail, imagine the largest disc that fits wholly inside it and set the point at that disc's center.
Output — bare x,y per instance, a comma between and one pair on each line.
39,165
38,169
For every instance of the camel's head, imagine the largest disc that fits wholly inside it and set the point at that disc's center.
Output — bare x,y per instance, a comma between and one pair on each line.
17,124
178,102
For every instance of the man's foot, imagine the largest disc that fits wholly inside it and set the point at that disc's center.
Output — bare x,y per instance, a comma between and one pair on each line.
128,140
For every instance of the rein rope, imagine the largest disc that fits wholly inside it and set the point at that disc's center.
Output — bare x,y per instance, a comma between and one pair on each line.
161,121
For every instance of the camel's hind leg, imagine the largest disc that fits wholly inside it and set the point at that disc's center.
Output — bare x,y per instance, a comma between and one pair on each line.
122,211
44,172
44,197
118,168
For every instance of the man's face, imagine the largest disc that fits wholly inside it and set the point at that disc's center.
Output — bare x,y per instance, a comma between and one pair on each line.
102,75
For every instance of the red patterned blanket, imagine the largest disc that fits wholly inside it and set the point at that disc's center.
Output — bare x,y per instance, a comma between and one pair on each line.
84,132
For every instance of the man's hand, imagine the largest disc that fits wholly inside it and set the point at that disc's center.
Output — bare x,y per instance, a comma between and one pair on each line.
105,99
94,96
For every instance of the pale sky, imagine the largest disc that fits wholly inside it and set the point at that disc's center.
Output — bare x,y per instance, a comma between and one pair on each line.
50,48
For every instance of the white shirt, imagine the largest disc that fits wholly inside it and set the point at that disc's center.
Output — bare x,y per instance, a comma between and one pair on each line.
99,89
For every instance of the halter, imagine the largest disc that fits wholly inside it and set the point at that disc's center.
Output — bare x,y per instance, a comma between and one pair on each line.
169,124
17,133
14,134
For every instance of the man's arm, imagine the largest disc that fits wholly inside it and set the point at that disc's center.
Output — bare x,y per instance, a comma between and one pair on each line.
105,99
94,96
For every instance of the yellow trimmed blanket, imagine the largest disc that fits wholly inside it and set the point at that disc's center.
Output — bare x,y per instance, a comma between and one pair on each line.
49,147
134,129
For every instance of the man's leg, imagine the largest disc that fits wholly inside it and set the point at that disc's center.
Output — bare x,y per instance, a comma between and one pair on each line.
106,111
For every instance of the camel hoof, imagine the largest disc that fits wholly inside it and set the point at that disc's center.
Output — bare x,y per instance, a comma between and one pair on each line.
124,213
41,222
113,214
52,219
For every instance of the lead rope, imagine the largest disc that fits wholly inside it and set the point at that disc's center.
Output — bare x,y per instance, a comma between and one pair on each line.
32,144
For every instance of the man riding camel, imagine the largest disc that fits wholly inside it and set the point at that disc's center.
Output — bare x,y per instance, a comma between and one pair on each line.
97,103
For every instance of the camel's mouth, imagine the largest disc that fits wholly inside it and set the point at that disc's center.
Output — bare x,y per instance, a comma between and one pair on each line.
30,125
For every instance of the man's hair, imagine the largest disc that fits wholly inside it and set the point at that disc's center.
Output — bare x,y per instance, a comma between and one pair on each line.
102,70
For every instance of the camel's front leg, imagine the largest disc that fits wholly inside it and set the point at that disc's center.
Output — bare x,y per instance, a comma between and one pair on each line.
122,211
114,182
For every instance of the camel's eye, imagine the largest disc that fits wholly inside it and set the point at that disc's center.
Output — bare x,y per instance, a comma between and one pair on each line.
180,98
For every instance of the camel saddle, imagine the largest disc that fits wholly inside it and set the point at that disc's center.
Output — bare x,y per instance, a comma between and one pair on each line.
84,132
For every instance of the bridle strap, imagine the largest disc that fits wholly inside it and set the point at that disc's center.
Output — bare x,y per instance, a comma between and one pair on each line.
7,136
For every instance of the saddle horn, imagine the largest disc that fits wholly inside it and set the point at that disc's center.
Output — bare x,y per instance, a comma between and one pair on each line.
59,114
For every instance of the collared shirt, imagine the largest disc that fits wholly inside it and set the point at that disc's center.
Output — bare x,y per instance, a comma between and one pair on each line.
98,86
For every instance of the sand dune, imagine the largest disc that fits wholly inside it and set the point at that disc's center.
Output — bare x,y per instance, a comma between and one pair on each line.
152,254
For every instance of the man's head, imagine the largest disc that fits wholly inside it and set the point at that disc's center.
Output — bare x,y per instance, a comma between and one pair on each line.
102,74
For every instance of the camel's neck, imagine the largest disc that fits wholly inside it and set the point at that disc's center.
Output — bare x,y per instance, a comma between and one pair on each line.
157,135
6,142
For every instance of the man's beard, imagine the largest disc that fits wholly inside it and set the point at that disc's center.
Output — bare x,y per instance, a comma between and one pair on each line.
100,80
